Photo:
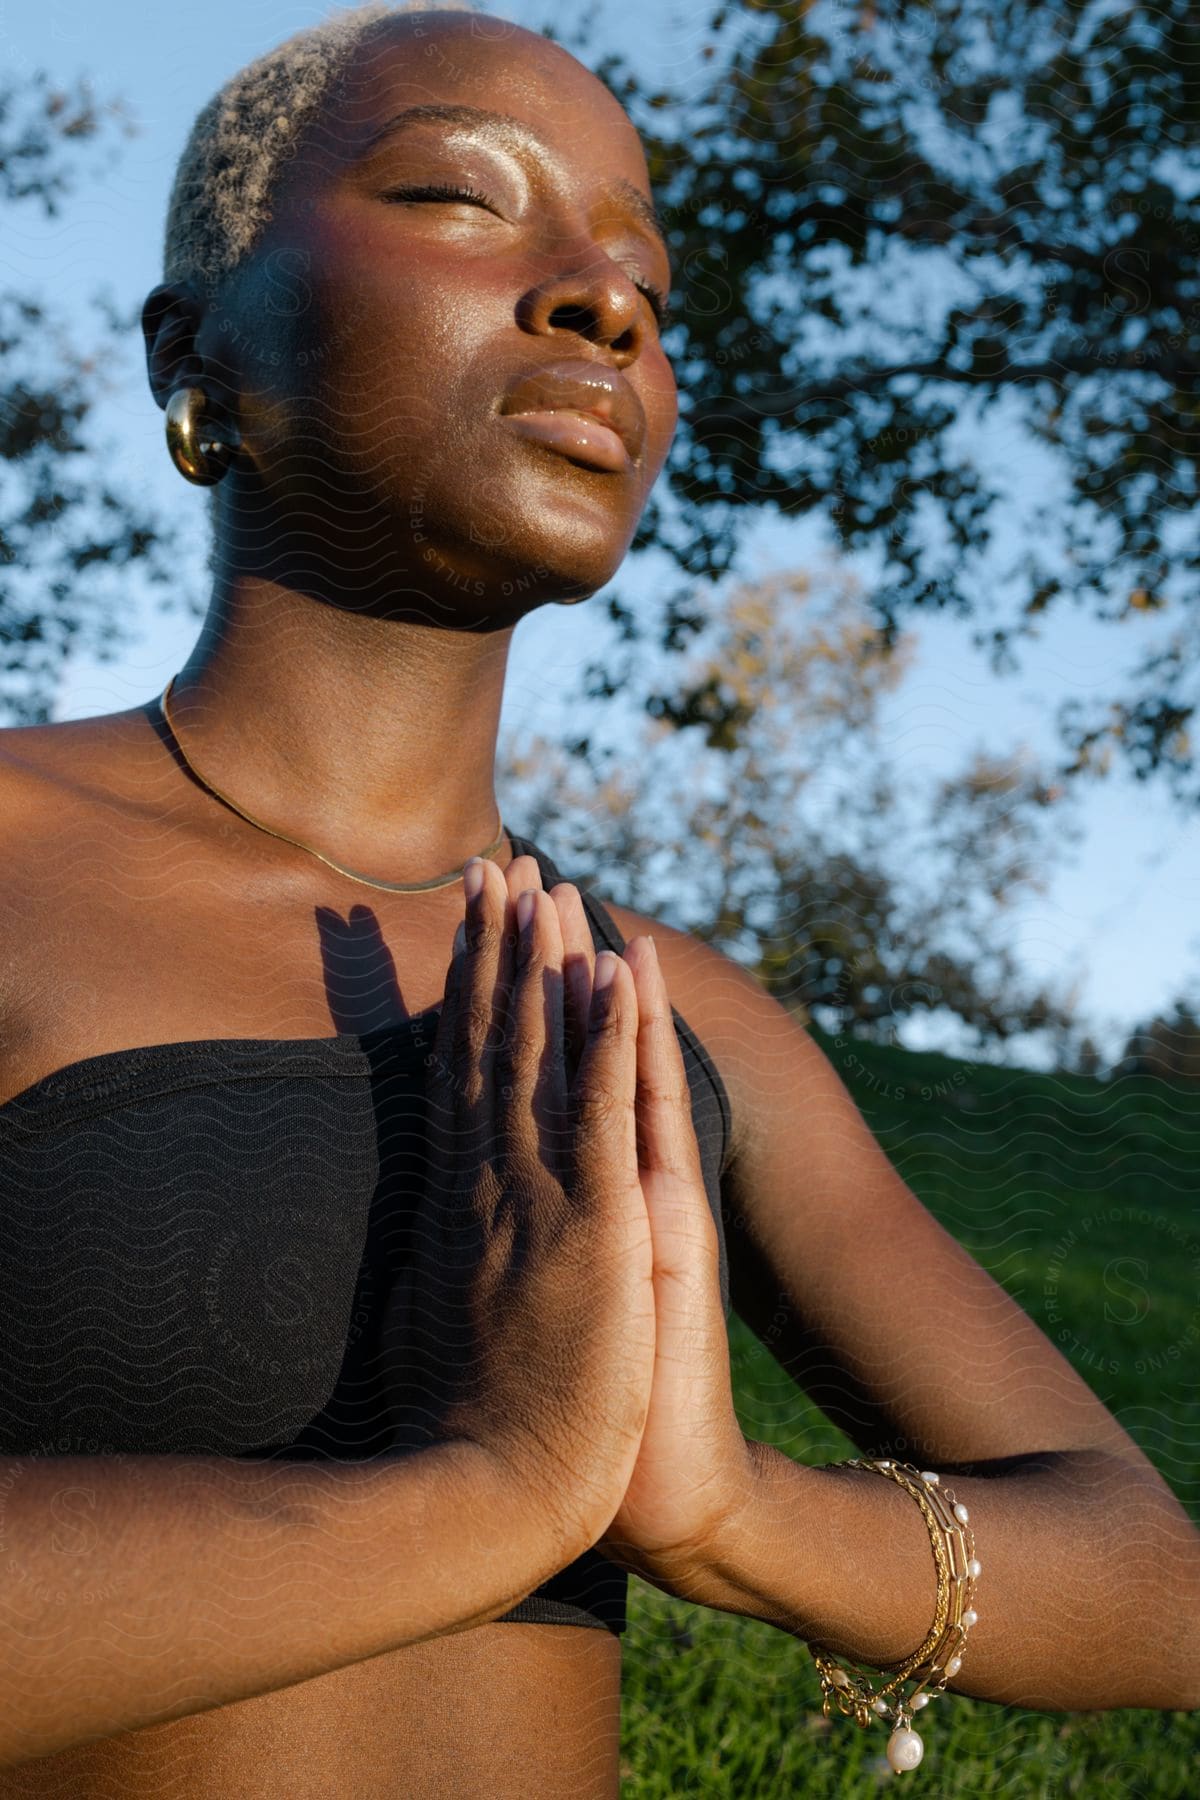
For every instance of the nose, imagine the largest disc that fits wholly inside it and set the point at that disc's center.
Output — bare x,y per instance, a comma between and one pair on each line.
591,298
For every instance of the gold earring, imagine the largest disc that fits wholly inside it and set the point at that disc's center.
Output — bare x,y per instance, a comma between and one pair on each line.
201,441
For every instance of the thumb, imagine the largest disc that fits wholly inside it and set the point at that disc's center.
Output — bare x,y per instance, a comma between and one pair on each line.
669,1162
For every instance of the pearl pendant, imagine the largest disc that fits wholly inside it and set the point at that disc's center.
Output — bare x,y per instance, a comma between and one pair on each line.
928,1476
961,1513
904,1750
974,1567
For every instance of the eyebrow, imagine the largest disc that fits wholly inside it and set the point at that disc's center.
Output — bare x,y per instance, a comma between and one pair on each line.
503,125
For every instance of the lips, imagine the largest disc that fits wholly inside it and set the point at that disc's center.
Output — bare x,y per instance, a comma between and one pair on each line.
588,413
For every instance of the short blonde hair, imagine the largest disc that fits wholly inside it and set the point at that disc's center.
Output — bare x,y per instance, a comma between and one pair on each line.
230,166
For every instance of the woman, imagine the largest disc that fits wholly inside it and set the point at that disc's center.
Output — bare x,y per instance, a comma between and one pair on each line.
333,1501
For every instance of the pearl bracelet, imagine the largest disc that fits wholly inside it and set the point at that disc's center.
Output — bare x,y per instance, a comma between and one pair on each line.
940,1656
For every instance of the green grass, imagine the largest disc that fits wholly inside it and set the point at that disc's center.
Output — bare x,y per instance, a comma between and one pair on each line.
1080,1198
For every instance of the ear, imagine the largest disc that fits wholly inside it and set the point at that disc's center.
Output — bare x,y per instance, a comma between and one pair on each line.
170,324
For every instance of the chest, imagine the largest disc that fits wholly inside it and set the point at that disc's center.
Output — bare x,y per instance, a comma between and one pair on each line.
108,947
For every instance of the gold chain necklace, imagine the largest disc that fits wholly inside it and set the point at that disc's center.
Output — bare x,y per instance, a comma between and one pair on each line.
391,887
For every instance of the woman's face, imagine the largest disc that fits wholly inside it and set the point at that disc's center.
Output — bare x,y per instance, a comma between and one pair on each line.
382,339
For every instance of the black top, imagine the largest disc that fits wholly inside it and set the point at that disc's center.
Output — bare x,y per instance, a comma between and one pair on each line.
197,1240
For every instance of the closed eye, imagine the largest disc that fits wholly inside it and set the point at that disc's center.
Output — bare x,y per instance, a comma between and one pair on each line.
439,191
660,306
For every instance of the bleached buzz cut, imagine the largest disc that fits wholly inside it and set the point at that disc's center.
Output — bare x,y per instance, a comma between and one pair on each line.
230,166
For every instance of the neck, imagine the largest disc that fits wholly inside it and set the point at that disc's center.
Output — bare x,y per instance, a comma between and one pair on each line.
372,739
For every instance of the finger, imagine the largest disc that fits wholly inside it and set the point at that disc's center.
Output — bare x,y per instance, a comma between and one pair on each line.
579,961
444,1234
438,1243
604,1092
667,1145
534,1063
441,1058
522,872
487,977
438,1060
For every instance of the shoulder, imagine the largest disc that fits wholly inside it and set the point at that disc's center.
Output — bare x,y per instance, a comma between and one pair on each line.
55,781
36,758
34,776
71,760
28,805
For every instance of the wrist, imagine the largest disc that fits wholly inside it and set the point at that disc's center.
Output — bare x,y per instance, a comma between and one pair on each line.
511,1513
720,1569
736,1556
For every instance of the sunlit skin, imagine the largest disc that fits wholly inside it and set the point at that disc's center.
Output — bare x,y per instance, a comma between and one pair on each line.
381,533
362,353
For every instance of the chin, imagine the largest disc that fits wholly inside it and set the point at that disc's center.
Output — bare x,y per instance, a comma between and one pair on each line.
545,581
476,593
563,539
546,572
565,566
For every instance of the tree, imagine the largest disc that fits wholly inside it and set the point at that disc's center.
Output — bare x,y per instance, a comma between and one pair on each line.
1087,1059
793,844
68,524
893,222
1165,1045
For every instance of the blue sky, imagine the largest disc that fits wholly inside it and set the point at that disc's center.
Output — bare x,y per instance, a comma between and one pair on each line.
1120,921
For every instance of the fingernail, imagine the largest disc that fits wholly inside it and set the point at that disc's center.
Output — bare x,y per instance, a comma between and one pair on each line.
460,938
473,878
606,969
525,906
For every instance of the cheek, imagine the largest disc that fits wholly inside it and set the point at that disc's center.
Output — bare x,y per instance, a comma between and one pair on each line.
358,384
338,297
392,339
359,335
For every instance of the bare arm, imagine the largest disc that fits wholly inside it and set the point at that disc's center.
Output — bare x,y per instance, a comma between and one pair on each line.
134,1590
1089,1595
1090,1591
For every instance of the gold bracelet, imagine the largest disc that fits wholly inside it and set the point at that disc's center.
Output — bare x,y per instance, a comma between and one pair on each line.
940,1656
